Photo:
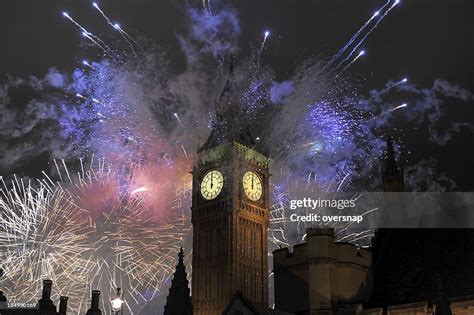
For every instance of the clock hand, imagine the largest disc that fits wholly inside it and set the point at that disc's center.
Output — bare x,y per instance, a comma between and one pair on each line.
252,182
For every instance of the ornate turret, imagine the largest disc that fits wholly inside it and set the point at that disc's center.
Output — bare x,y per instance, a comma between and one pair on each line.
45,303
62,305
178,301
94,310
392,174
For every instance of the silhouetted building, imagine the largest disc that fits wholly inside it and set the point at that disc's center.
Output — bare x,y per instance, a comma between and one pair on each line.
433,265
230,213
322,276
178,301
429,271
414,271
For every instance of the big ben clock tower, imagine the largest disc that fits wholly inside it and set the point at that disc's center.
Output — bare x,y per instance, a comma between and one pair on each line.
230,214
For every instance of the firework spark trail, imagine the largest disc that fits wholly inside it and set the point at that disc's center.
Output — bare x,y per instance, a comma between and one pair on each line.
368,33
87,64
95,5
388,88
357,236
342,182
177,117
95,42
353,38
388,111
350,64
129,39
398,107
95,39
184,151
138,190
262,46
207,6
92,99
278,221
126,35
402,81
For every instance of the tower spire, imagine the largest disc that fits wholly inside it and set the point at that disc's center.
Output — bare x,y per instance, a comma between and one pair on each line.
230,123
392,174
225,108
390,162
230,74
178,301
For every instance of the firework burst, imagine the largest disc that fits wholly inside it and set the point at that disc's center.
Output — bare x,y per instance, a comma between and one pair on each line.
41,232
61,231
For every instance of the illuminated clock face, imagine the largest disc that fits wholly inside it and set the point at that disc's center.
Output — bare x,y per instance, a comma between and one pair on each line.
211,184
253,186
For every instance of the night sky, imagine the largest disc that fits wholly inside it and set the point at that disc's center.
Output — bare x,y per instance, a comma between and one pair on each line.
422,40
145,112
